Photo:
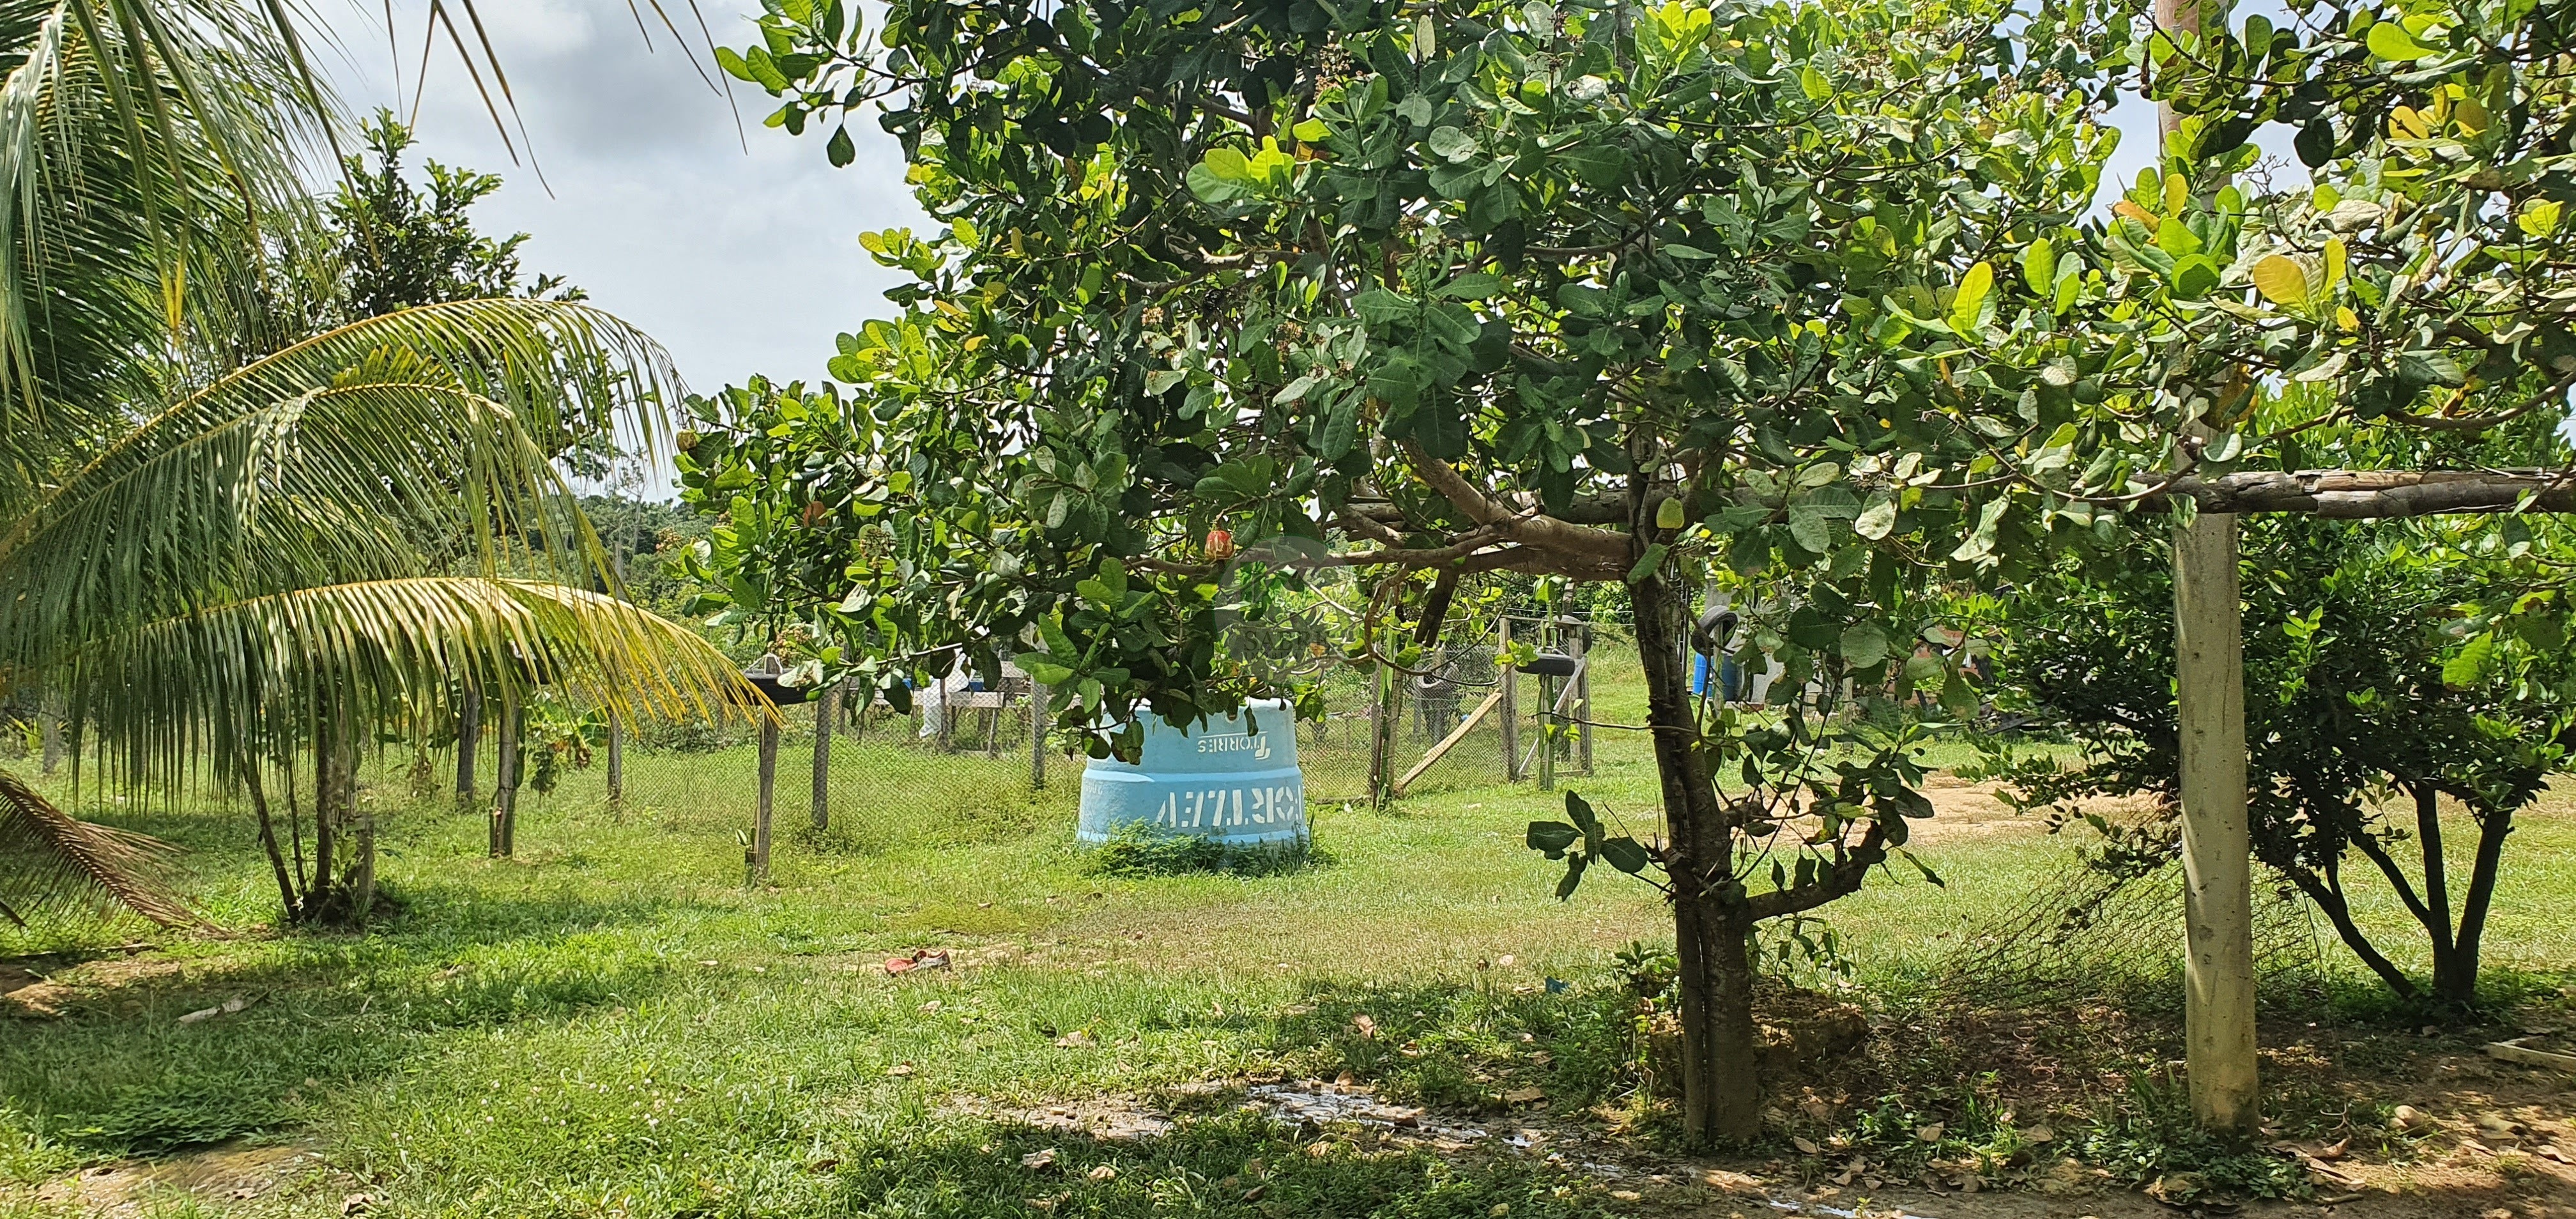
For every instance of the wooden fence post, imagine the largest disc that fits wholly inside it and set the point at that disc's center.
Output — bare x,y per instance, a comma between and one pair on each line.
826,709
1037,735
1509,675
2218,881
768,792
616,759
1582,697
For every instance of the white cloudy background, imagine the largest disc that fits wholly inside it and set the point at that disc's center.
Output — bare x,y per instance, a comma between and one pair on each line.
740,261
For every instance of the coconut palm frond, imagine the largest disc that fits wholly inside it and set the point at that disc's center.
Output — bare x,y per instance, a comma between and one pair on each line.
564,366
244,680
50,858
144,145
346,482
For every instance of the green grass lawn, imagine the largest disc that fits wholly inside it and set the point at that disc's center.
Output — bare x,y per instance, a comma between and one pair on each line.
614,1024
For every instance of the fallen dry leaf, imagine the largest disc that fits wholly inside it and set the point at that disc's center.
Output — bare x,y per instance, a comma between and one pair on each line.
1806,1145
1524,1096
1103,1173
1038,1160
1931,1133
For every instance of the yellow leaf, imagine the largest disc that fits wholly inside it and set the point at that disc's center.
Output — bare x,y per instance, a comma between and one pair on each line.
2282,281
2337,256
2406,123
2346,318
2132,211
2539,217
2177,193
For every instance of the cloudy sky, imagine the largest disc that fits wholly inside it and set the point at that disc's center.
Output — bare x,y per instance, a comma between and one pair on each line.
741,261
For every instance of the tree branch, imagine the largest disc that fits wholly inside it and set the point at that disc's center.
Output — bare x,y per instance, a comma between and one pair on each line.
1584,551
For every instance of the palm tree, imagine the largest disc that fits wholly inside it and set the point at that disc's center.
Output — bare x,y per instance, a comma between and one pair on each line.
215,563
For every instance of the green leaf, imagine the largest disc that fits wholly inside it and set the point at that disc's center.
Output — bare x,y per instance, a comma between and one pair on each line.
1043,671
1552,838
2468,666
1573,878
1813,83
1973,288
2039,266
1473,286
1647,563
1878,519
1379,307
2389,41
1594,164
1807,526
2195,276
1579,810
1864,644
1451,144
839,149
1625,854
1957,698
2176,238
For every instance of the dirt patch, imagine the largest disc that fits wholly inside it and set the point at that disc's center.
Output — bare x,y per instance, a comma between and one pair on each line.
42,988
219,1176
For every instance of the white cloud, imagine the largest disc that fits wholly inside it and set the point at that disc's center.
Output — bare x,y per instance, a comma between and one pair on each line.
738,261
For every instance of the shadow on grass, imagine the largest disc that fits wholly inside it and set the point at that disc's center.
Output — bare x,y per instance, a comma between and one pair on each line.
1233,1165
137,1065
1464,1048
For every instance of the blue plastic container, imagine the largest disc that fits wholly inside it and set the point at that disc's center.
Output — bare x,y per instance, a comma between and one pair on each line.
1234,780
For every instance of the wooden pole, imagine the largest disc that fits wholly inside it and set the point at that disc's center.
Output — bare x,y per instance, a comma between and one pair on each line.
616,758
826,709
1381,773
768,790
1449,742
1582,699
1510,678
1037,736
1551,637
2217,850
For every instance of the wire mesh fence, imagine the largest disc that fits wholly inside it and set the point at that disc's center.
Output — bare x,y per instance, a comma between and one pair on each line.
965,756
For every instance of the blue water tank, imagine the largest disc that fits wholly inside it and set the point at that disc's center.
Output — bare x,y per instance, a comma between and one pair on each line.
1233,779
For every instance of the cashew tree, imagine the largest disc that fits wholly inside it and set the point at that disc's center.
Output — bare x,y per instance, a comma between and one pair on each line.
1225,296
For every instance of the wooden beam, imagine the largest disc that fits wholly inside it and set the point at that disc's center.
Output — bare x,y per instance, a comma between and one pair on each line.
2380,494
1448,742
